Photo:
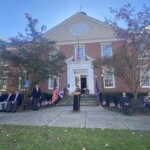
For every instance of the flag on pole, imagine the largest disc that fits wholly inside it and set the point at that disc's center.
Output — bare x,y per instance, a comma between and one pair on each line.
55,95
78,54
61,93
97,90
78,51
55,83
55,92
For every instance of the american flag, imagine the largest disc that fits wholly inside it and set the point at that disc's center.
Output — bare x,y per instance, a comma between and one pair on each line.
55,95
78,55
61,93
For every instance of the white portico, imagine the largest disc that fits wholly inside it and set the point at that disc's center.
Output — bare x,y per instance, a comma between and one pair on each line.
80,73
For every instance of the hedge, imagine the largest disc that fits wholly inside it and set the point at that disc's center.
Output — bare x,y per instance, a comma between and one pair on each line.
115,96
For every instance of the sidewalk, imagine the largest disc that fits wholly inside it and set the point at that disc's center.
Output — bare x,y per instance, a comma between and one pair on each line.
88,117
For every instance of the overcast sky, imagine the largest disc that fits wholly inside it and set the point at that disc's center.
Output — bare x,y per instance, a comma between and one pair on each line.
53,12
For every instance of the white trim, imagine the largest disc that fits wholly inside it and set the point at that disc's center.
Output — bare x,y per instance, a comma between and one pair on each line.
79,14
49,80
145,86
113,79
70,60
84,65
102,46
87,40
75,52
141,82
6,78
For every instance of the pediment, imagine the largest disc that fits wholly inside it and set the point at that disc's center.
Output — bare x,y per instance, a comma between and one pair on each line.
79,25
72,59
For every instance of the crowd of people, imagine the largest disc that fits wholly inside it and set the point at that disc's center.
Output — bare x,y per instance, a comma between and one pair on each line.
125,103
10,102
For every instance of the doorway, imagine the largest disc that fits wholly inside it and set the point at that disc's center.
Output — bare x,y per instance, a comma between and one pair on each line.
83,83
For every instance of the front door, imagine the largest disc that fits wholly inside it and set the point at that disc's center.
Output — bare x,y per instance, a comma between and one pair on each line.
83,83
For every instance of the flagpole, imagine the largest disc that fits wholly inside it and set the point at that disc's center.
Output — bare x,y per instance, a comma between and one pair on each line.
78,50
78,42
55,82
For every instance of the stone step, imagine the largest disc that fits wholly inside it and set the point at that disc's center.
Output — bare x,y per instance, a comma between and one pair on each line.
85,100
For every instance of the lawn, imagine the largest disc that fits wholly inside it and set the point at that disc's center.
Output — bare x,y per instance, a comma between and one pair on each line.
55,138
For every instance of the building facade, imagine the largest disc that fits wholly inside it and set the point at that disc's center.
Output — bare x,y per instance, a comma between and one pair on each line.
82,39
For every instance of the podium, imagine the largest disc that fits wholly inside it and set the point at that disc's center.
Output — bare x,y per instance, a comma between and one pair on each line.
76,101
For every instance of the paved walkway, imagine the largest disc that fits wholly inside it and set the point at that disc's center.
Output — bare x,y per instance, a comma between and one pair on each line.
88,117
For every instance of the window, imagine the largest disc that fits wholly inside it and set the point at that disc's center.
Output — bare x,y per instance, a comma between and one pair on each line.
80,54
51,82
145,77
108,78
3,81
22,80
52,53
142,51
142,54
106,51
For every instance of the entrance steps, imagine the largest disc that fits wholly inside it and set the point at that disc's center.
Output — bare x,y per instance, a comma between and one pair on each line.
85,100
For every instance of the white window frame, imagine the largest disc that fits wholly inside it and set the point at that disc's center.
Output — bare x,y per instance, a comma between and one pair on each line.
104,78
142,50
51,86
5,77
53,53
102,51
141,83
19,86
145,55
76,50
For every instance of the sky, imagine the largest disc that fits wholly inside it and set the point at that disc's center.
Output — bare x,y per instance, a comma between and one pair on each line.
53,12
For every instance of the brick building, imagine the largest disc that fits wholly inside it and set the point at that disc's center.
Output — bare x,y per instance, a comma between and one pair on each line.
82,39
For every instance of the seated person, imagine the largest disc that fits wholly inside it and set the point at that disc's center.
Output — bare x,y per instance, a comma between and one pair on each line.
8,101
147,101
17,101
2,101
125,104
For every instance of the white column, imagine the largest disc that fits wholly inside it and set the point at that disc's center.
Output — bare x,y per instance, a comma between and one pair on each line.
91,80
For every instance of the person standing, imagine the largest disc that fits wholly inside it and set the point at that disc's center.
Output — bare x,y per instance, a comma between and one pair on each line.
76,99
36,94
125,103
147,101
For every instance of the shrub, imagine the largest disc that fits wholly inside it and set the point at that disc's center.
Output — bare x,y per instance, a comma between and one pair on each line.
115,96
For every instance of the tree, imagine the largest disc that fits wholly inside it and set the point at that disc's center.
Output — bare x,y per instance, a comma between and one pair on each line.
30,56
131,57
3,65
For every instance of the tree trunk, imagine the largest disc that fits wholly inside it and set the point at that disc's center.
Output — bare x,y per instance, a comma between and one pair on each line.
135,95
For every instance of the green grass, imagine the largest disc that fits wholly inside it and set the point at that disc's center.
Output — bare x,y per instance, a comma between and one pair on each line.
55,138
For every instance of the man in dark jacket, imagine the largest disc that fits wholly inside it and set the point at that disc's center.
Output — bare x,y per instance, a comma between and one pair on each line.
17,100
36,94
9,101
2,101
125,103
